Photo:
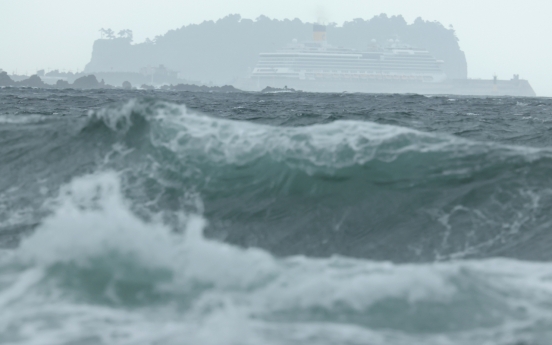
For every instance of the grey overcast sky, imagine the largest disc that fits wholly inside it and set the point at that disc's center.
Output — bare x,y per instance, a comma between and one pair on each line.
499,37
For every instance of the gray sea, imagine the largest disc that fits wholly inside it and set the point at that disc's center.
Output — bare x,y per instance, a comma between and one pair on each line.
157,217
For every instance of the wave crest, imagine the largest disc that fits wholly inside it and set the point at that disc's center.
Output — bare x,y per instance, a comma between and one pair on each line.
348,187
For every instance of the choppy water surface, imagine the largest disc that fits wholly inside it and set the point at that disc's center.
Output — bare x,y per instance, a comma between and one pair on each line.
130,217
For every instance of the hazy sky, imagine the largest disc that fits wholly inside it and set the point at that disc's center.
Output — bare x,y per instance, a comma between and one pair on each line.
498,36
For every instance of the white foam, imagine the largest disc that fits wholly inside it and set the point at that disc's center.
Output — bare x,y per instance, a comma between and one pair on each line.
23,119
334,145
232,294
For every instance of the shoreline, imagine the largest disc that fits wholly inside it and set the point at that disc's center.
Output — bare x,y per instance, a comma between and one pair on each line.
90,82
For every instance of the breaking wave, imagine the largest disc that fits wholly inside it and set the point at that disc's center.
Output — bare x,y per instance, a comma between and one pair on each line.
95,272
148,223
354,188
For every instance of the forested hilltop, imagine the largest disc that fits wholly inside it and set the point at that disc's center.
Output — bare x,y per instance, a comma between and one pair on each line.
224,50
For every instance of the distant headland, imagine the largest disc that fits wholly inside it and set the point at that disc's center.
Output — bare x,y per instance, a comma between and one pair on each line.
225,50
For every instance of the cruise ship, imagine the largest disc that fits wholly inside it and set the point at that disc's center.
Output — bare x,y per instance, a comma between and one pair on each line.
317,66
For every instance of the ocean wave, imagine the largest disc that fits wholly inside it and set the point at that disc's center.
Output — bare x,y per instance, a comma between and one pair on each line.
336,145
356,188
93,271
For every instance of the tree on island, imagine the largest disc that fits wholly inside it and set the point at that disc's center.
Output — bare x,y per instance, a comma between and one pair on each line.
110,34
126,34
157,38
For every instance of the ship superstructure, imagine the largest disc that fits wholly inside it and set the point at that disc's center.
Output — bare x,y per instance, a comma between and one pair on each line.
392,67
319,61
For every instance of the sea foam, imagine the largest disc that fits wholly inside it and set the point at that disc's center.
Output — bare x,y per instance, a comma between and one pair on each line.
94,271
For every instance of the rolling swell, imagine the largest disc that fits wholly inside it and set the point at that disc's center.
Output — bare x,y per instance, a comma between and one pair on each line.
349,187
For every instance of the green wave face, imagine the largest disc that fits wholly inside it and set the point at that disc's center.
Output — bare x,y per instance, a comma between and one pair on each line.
94,271
352,188
148,223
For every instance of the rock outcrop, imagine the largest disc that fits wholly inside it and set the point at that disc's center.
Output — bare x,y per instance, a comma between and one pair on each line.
87,82
62,84
5,79
33,81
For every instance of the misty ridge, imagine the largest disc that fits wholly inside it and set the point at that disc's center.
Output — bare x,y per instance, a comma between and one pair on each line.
227,49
